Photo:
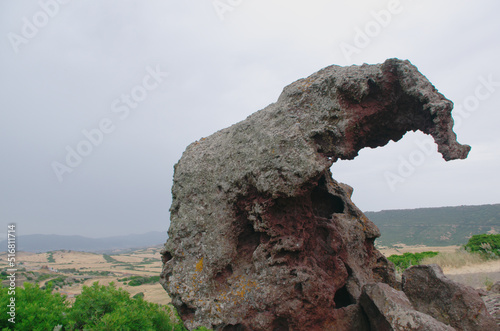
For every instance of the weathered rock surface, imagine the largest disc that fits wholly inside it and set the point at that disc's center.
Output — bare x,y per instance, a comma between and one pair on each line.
492,302
389,309
262,237
495,288
450,302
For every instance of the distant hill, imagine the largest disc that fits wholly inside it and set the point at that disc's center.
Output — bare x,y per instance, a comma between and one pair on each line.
38,243
442,226
435,226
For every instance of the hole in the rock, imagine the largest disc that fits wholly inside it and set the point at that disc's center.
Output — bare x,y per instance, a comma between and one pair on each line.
349,270
224,274
248,241
325,204
236,327
166,257
280,324
186,312
298,288
324,142
342,298
264,238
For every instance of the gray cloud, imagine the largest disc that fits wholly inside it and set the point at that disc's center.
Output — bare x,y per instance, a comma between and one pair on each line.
65,78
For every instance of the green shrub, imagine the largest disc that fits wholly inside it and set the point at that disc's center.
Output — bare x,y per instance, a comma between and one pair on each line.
50,257
139,280
98,307
486,244
36,309
58,281
43,277
108,308
403,262
110,259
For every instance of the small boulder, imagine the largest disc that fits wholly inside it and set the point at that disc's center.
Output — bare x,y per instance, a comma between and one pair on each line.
495,288
492,302
389,309
458,305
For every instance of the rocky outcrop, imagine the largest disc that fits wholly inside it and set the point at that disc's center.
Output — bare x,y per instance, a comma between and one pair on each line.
390,310
262,237
447,301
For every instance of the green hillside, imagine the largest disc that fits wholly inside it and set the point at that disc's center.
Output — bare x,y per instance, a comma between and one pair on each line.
435,226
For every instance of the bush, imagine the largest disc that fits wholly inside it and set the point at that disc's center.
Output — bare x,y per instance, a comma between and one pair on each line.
98,307
403,262
43,277
139,280
109,308
50,257
110,259
58,281
36,309
486,244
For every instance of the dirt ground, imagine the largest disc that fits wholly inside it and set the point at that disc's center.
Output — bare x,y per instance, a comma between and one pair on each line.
401,248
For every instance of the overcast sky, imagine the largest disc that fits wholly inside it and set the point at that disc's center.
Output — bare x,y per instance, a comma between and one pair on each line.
98,99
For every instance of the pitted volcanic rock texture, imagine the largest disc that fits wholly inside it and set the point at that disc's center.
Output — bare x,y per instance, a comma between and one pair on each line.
262,237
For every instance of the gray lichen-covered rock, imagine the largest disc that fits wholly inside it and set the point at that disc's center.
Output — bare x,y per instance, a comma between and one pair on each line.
447,301
390,310
262,237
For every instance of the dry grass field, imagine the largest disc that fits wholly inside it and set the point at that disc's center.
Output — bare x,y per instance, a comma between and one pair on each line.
457,264
81,268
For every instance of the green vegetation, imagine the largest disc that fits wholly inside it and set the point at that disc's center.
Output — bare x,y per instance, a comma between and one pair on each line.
98,307
70,271
488,283
139,280
43,277
57,282
50,257
435,226
486,244
96,273
110,259
403,262
148,260
36,309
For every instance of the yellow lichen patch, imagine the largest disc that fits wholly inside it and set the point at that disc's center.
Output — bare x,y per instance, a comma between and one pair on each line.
199,265
239,290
